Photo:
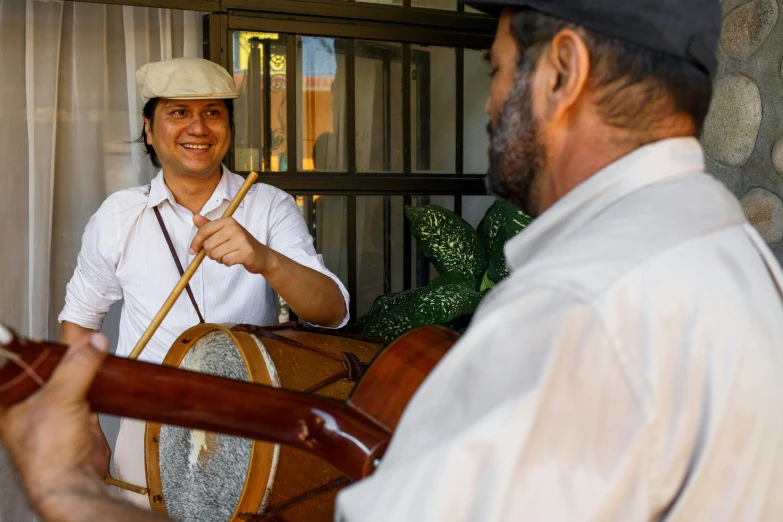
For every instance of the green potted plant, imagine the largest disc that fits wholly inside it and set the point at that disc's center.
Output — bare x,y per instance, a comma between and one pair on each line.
469,262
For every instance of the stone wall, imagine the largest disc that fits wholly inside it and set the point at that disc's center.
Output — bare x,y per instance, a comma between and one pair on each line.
743,135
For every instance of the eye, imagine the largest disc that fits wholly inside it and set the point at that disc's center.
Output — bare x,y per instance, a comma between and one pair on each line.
178,112
213,112
493,72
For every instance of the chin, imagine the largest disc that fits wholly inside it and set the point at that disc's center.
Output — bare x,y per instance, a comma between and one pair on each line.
201,170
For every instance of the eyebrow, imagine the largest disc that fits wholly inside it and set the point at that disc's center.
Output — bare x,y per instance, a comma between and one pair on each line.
488,56
170,105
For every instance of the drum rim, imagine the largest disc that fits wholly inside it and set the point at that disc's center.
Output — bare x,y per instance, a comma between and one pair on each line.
261,453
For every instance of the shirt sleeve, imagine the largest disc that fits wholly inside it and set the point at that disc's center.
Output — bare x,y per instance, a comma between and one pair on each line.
94,286
529,417
289,235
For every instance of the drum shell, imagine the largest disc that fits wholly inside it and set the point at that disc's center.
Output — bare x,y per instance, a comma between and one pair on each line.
298,360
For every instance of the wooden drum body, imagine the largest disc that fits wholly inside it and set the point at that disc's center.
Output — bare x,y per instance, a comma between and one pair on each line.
198,476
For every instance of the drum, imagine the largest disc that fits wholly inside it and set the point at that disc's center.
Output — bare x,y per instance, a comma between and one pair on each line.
198,476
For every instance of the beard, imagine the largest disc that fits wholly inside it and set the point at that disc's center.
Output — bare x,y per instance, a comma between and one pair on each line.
517,156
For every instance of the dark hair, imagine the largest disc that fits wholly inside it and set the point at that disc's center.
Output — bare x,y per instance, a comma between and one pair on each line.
149,113
632,83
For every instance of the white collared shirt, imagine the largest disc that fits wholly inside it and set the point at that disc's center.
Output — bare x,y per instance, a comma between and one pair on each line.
629,369
124,255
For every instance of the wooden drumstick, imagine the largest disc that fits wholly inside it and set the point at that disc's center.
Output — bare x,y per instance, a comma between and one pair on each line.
111,481
183,281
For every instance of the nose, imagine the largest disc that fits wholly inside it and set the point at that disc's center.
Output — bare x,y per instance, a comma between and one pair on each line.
197,126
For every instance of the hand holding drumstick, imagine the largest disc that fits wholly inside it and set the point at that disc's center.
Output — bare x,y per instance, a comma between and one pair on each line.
183,282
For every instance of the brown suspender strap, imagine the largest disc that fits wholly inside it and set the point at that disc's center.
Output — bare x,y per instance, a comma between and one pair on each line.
176,260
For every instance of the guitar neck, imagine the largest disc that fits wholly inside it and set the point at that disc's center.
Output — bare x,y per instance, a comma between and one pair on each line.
328,429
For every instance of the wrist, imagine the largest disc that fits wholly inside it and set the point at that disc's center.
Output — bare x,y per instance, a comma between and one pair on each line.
60,498
268,262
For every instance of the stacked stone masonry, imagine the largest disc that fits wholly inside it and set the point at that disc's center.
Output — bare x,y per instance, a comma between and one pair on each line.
743,134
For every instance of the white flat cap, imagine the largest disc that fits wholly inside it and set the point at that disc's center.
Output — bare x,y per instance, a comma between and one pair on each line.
185,79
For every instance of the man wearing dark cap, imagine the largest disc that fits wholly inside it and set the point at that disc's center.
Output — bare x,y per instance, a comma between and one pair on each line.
629,368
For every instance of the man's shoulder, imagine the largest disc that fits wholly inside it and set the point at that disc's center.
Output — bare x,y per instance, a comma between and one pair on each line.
117,214
678,222
132,198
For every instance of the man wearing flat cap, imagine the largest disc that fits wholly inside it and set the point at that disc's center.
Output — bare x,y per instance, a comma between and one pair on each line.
629,369
131,246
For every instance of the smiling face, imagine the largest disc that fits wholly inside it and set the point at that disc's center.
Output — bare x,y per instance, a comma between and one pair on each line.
190,137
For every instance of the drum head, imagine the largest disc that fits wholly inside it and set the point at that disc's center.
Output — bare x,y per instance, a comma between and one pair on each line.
196,476
207,476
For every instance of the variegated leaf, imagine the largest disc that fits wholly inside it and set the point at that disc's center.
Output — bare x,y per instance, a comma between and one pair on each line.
442,304
432,304
391,325
448,241
385,303
486,282
492,223
514,221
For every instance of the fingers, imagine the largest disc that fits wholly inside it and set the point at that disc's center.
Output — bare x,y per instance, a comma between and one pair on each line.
220,252
74,375
219,238
206,229
200,220
235,257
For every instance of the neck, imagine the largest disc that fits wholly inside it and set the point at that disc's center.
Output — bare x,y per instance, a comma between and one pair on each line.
585,153
191,192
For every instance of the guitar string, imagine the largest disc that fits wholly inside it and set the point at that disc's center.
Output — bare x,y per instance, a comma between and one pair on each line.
16,359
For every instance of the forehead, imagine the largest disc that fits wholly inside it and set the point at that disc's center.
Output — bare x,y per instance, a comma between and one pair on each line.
167,103
504,46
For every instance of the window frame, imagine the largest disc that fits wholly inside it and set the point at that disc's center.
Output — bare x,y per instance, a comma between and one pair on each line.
353,21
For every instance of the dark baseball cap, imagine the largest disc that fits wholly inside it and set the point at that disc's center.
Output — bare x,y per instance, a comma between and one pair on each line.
687,29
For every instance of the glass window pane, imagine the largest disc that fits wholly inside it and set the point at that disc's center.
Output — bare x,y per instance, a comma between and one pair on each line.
327,219
378,68
260,111
379,248
475,136
433,106
321,143
450,5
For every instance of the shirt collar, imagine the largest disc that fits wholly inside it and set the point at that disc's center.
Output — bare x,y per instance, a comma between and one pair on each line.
227,187
653,163
159,192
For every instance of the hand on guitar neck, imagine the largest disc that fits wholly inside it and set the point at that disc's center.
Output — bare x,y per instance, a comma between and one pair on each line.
57,447
61,461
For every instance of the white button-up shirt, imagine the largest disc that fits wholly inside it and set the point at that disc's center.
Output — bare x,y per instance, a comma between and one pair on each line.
124,255
629,369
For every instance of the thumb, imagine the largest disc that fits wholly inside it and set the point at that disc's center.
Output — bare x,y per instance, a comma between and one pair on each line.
74,375
199,220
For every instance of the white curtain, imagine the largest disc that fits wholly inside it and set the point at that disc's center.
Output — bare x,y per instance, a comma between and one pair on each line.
70,112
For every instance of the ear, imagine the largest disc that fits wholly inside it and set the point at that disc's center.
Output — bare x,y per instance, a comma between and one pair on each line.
147,129
565,68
